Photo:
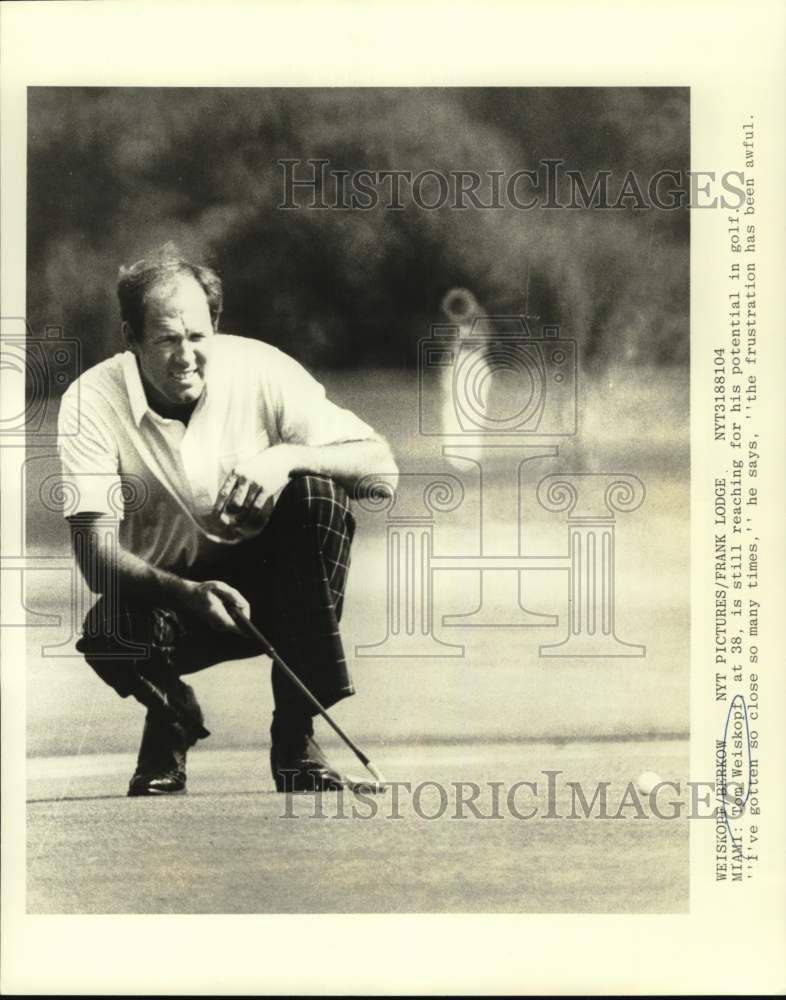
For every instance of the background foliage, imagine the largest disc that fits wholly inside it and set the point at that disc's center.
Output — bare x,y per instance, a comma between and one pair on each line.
114,172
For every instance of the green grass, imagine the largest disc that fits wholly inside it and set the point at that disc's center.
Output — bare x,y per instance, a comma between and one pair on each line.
231,845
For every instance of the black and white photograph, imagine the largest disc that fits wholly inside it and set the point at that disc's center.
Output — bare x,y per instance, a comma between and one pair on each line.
394,383
362,512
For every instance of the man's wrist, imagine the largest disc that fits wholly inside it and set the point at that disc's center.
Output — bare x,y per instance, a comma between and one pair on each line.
303,459
174,591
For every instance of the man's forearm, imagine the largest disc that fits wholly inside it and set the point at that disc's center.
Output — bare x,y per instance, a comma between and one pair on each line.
348,462
104,564
137,578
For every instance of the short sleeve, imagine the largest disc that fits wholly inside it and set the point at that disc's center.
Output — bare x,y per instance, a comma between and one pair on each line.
88,459
306,416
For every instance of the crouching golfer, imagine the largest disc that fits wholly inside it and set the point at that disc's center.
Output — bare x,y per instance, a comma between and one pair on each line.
209,471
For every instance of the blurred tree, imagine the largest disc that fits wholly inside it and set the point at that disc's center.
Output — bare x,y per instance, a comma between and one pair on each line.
113,172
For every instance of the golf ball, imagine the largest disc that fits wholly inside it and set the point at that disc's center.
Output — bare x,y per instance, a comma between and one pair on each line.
647,781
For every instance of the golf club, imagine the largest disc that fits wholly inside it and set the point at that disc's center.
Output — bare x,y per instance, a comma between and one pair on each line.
251,630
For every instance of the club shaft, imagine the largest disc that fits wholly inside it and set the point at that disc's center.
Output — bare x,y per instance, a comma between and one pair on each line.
250,629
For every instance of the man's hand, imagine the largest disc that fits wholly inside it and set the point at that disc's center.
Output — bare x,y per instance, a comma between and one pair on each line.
208,601
101,561
245,499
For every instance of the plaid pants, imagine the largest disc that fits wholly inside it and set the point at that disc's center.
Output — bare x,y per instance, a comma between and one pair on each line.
293,574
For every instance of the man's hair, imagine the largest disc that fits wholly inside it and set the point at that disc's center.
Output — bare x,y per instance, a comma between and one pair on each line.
134,284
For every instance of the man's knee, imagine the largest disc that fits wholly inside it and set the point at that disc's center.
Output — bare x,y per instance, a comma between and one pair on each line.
131,641
316,501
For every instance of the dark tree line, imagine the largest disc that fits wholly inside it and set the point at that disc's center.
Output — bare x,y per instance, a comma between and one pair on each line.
114,172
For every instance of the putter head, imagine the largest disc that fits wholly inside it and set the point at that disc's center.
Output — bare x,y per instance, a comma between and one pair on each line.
376,772
359,785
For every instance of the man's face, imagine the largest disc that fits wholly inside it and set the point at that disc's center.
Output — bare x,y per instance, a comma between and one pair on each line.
174,347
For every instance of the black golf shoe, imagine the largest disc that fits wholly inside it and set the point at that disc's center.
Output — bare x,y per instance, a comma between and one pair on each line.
161,764
168,783
299,765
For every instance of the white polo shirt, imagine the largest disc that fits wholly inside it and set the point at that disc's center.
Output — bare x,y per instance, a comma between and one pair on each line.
160,477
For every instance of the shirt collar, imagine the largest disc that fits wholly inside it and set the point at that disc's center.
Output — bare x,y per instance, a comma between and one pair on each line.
136,392
134,387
